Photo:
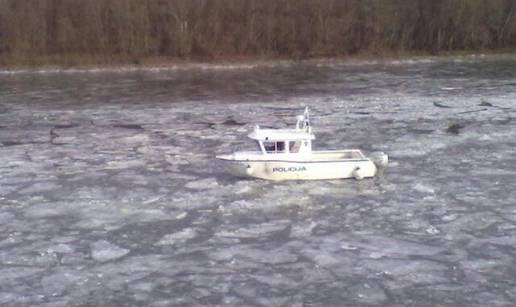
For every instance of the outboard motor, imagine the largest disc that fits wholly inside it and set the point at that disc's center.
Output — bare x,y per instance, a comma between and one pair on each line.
380,159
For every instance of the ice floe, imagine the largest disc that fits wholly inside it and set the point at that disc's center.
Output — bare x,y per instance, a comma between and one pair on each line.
109,193
178,237
103,251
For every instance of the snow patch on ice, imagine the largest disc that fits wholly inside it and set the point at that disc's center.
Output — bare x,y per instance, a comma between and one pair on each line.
178,237
114,165
103,251
237,253
302,230
256,230
424,188
61,248
203,184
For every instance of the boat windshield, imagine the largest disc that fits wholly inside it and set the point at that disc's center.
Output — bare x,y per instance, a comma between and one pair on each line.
274,147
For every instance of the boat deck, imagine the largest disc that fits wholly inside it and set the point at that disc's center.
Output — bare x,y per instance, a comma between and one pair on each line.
323,156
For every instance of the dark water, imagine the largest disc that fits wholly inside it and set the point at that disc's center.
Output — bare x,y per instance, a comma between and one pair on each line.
110,195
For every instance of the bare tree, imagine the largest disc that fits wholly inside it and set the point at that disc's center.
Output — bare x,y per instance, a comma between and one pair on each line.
129,30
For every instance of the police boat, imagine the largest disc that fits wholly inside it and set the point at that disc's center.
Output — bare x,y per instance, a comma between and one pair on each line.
286,154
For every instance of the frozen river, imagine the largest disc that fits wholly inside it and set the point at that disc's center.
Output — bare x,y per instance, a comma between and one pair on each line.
110,195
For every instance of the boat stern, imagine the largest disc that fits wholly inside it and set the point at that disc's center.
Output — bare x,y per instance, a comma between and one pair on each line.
380,159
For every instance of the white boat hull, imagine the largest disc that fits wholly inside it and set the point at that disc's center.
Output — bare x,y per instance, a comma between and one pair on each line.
286,154
303,170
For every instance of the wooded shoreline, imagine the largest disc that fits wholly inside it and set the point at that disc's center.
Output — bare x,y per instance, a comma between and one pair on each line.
36,33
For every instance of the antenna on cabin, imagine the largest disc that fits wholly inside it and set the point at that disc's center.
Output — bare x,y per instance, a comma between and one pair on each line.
303,121
306,119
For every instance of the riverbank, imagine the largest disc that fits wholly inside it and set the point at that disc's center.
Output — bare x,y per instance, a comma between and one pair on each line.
135,32
76,63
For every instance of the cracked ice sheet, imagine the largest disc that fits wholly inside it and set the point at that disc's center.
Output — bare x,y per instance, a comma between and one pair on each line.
109,193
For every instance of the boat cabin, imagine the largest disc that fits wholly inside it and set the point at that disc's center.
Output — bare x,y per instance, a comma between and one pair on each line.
285,141
282,141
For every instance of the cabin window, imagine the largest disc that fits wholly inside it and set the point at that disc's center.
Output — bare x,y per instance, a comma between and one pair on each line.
294,146
274,147
270,147
280,146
